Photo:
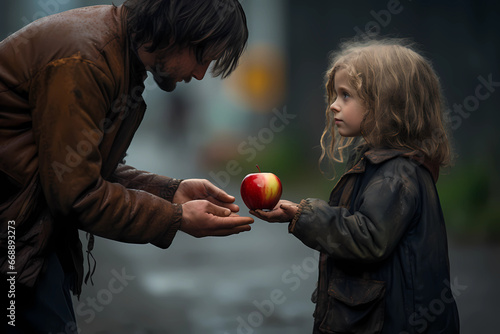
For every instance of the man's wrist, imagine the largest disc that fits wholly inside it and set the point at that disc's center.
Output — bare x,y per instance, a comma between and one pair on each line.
168,192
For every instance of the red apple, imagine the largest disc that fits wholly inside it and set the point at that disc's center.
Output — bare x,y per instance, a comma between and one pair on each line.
261,190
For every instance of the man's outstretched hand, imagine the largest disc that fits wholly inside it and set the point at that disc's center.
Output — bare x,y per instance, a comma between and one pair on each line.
208,210
201,218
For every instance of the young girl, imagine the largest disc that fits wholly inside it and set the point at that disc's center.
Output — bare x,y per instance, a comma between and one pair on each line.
384,264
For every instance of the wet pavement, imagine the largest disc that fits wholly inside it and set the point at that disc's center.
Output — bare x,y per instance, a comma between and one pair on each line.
256,282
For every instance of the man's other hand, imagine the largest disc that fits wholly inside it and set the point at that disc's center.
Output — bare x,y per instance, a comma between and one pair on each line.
194,189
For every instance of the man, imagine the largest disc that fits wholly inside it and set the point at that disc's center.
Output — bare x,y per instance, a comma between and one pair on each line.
70,102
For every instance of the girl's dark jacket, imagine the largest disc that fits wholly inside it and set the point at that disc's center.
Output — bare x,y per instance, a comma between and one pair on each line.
384,264
70,102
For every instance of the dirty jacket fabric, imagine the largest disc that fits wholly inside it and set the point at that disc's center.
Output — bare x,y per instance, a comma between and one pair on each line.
70,102
384,264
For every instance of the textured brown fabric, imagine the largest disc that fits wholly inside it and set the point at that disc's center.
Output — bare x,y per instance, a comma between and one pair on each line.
70,102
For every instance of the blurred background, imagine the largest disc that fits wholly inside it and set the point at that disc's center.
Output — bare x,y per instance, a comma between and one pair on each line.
270,112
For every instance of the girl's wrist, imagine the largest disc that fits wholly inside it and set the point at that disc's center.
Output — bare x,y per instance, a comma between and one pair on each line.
298,212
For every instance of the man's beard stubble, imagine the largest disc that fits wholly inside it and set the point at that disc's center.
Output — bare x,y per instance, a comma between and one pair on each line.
164,80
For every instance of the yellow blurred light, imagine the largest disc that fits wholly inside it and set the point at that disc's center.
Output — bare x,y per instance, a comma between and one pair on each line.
260,80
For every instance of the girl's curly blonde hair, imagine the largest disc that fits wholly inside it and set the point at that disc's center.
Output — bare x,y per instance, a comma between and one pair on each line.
401,93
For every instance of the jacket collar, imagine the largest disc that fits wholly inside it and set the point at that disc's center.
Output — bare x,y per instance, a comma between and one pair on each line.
378,156
138,69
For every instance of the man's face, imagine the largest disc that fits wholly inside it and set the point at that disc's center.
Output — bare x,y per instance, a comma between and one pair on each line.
169,68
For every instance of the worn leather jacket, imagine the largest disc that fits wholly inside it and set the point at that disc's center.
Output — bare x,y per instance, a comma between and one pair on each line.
384,264
70,102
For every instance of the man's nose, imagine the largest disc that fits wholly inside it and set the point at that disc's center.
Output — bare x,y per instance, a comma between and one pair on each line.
200,71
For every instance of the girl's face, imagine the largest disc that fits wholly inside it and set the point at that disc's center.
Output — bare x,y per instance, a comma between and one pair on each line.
347,107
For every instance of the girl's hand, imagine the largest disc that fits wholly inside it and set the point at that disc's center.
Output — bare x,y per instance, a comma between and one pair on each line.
283,212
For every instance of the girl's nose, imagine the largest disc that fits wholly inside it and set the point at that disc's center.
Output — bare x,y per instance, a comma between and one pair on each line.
335,107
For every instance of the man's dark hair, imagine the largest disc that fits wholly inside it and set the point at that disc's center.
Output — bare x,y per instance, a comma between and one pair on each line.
214,29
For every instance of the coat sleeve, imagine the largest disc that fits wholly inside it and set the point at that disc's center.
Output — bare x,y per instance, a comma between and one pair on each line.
388,205
158,185
69,98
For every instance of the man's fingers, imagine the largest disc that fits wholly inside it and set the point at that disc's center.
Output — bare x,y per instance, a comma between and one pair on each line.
231,231
217,210
219,194
231,206
220,197
232,221
234,224
226,217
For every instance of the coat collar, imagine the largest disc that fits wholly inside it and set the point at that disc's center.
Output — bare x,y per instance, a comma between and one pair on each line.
378,156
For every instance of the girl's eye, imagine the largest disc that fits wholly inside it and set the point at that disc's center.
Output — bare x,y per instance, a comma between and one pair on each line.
345,95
